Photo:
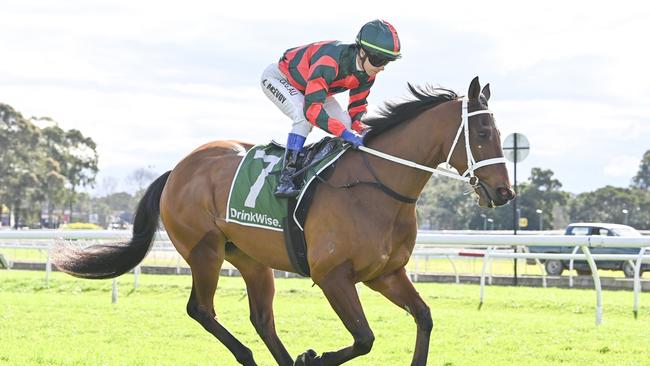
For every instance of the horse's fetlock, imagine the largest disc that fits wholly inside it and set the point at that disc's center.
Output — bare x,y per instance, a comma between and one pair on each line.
245,357
363,344
192,310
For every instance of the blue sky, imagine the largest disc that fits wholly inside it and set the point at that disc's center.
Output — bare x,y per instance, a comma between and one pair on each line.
151,80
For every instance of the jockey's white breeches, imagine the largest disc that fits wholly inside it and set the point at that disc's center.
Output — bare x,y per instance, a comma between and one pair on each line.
292,102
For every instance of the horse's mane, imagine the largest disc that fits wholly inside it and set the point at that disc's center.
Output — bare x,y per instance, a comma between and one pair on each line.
394,113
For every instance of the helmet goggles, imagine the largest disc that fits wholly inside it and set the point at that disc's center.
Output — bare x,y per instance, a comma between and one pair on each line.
377,60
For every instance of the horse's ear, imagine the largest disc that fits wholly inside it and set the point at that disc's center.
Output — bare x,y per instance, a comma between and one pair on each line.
486,91
474,89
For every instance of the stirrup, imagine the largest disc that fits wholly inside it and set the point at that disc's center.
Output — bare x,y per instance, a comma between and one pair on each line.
287,192
286,186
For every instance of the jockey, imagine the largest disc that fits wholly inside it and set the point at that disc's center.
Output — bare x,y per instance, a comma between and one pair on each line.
302,83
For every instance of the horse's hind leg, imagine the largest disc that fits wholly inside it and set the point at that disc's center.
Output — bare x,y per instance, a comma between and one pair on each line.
205,261
261,289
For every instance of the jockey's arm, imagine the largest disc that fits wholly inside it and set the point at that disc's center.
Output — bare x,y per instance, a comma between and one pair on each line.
320,76
358,105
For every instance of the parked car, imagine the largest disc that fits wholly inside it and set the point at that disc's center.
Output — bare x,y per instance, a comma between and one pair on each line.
555,267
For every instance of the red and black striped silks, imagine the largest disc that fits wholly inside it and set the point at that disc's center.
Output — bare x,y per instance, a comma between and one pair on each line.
322,69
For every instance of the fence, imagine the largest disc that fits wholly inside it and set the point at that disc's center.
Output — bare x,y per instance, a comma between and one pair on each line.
427,244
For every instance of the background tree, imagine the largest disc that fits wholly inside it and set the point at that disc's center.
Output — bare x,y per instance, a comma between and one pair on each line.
604,205
541,192
642,178
53,184
54,188
19,156
639,217
141,177
120,201
79,164
36,164
108,186
119,207
444,205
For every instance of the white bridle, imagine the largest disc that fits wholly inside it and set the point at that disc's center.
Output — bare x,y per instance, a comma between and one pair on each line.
472,165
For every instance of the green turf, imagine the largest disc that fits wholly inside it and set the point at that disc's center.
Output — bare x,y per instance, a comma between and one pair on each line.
72,322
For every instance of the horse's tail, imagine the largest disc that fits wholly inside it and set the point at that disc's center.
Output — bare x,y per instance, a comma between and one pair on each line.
114,259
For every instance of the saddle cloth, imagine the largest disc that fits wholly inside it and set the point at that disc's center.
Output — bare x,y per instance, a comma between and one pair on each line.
252,202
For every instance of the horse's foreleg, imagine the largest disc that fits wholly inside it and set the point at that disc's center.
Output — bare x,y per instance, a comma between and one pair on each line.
342,295
397,288
261,290
205,261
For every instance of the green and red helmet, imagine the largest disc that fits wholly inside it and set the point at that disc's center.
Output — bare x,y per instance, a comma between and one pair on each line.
379,38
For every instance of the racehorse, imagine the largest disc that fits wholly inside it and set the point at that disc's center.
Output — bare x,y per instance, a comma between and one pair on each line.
359,234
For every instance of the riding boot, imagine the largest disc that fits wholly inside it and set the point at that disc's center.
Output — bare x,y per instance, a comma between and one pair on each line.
286,186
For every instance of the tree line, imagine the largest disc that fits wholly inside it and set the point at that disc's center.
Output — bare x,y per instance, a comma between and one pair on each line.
541,200
41,168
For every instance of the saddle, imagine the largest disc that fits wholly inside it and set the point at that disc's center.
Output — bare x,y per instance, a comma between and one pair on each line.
297,208
312,154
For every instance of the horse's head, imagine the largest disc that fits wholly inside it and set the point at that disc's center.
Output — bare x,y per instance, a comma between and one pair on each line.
485,164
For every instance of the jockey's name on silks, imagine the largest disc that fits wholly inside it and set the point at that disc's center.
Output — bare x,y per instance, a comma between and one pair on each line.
251,201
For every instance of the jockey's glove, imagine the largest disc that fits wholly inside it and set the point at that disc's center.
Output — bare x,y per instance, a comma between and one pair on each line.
353,138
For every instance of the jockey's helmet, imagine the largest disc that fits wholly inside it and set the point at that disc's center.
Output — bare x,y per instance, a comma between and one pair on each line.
379,39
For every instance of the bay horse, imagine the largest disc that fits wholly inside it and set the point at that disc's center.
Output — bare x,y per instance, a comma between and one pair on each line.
360,234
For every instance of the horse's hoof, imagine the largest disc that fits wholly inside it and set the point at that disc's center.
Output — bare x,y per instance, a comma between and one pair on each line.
307,359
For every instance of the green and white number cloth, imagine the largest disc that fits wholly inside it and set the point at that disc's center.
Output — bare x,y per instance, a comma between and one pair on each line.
252,201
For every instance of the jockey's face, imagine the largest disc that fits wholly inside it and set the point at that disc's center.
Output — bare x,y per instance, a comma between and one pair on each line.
368,67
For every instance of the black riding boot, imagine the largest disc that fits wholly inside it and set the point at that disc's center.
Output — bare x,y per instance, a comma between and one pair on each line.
286,187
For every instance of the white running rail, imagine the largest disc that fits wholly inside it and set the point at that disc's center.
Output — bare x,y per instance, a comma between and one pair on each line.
424,240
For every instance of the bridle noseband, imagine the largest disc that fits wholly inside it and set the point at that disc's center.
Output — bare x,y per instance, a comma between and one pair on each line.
472,164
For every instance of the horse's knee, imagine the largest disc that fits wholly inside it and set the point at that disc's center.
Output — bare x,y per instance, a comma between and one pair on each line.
424,320
195,312
200,316
363,344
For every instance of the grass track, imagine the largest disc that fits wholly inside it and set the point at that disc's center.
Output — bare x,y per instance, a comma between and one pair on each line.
72,322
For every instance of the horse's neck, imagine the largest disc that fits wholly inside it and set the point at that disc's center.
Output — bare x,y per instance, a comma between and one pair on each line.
425,140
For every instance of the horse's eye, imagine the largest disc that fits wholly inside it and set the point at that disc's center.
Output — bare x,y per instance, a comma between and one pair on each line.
483,134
